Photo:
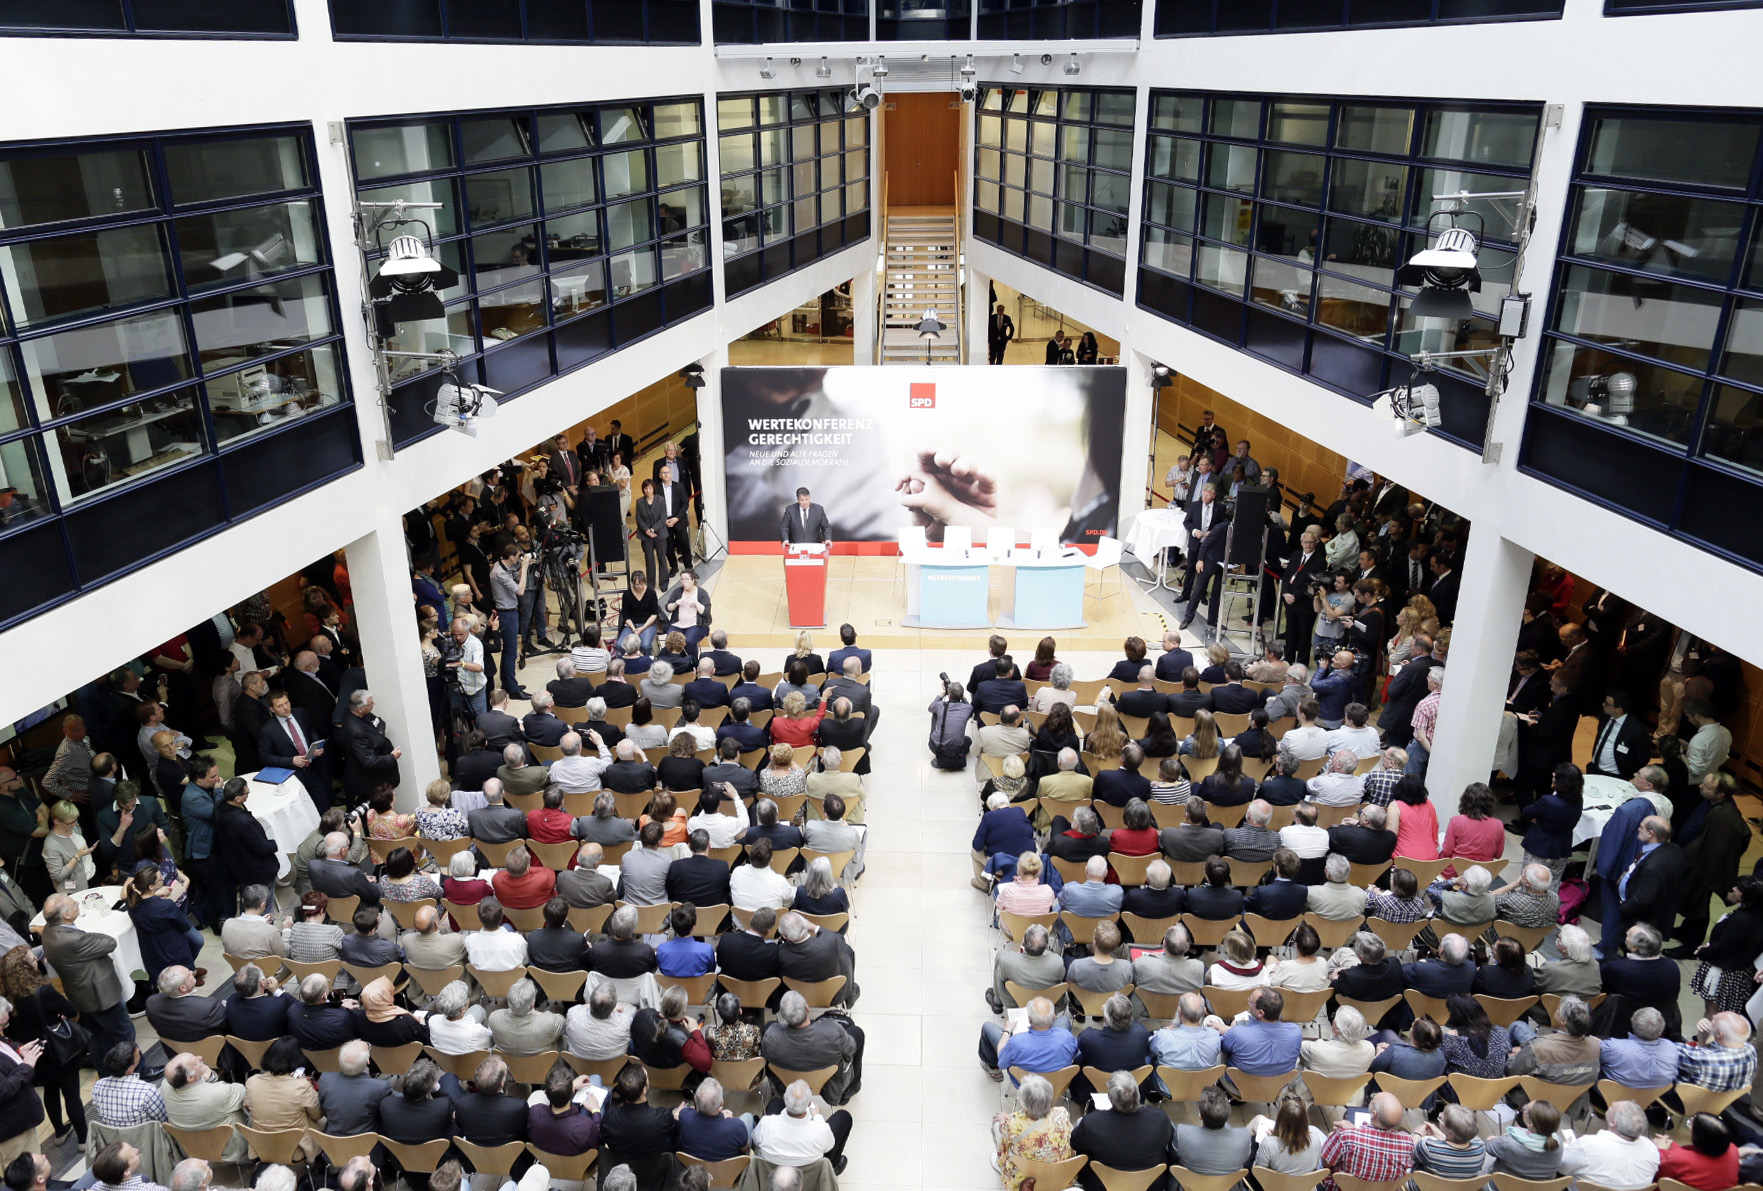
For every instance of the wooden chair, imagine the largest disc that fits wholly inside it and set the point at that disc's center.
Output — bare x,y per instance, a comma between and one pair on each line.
1230,723
631,806
837,860
744,919
1366,764
1022,996
1060,1079
590,919
404,913
1552,1002
1480,1095
1371,1011
752,757
1257,768
1015,925
328,969
1699,1099
1190,1181
496,855
1364,874
1187,872
651,920
558,986
1346,1182
497,1160
1113,817
1270,932
1246,874
725,1173
565,1167
365,976
325,1061
208,1048
1207,932
1304,1006
818,993
396,1059
815,1079
1503,1012
496,984
753,994
1273,1180
277,1146
1261,1089
1053,1174
206,1144
1396,936
382,848
736,1075
1200,768
570,715
1091,1002
1425,1006
1427,1181
1130,869
252,1051
1147,931
1411,1092
555,857
524,918
1086,691
1334,932
1531,936
783,858
1227,1002
1228,816
1511,1182
526,803
461,1067
1335,1093
1281,818
606,1069
341,910
669,1079
1612,1091
1425,871
338,1148
421,1158
1135,725
832,922
697,988
1187,1085
1126,1180
1083,930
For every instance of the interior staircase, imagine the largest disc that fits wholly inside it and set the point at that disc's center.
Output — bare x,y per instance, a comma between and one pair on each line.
921,263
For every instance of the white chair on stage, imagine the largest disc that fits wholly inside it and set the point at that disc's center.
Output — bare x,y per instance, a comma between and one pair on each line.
1106,558
1000,541
957,537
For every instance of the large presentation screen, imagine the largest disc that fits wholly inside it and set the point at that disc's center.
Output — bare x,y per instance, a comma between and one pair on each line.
885,448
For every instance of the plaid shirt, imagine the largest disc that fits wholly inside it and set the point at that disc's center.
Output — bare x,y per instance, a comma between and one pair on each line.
1426,716
1717,1068
1380,785
1390,908
1375,1155
123,1101
1521,907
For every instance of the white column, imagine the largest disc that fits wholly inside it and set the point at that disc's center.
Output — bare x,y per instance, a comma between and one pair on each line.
712,453
978,314
863,317
1136,439
379,574
1484,637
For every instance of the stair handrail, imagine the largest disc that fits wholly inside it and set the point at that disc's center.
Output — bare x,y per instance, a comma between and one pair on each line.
881,289
960,278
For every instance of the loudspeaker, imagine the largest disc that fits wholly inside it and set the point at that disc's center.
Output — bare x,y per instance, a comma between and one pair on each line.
1248,521
601,519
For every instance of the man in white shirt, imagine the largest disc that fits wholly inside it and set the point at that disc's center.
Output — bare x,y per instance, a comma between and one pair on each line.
1304,837
1712,743
1309,740
1353,735
1619,1156
799,1136
1337,784
574,773
600,1029
754,885
471,666
724,830
455,1026
492,948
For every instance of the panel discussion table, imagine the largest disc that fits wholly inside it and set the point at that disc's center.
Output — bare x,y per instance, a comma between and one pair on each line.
947,588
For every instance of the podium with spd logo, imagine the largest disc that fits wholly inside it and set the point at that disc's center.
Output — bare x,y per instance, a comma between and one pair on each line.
805,584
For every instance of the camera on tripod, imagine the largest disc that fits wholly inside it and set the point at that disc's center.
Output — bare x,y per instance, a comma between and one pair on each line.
547,486
452,653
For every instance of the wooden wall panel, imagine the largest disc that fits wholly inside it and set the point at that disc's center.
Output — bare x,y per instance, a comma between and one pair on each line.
921,149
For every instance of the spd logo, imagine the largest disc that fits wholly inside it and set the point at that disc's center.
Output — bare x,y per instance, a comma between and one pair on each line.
921,397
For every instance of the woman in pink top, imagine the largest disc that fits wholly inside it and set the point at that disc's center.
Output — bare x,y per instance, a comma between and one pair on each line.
1413,820
1024,894
1475,832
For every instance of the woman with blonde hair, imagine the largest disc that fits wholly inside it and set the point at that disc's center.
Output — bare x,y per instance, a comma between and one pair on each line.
804,653
1202,743
1107,738
438,820
797,725
1401,646
66,854
1025,892
1217,654
1426,615
783,777
1237,967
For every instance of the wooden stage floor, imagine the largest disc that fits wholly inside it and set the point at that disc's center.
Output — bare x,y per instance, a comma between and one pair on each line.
869,593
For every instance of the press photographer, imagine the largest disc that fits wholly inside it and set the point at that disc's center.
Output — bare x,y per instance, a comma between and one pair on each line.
462,665
507,585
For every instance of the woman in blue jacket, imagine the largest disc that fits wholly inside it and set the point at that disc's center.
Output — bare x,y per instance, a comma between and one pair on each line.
1552,819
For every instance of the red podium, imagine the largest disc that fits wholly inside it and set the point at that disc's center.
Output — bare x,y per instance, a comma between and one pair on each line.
805,583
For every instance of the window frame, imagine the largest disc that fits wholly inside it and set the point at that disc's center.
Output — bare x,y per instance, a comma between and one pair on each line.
130,29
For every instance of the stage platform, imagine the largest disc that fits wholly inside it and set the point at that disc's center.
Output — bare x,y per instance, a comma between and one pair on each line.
869,593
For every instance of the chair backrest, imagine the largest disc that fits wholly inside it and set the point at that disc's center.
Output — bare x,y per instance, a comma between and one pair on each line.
341,910
724,1173
1015,924
1208,932
252,1050
1231,816
1396,936
338,1148
1273,1180
1261,1088
1427,1181
1561,1095
1365,874
207,1144
736,1075
272,1145
1270,932
815,1079
1302,1007
545,754
1531,936
1511,1182
1130,869
1187,1085
1334,932
651,920
382,848
1052,1174
1205,1182
1246,874
1503,1012
555,857
209,1048
1125,1180
1022,995
1425,1006
524,918
558,986
1092,1001
1333,1092
496,855
1372,1011
818,993
421,1158
365,976
753,994
957,537
1227,1002
327,968
1044,538
1425,871
492,1159
1060,1079
1148,932
325,1061
496,984
1612,1091
565,1167
1480,1095
404,913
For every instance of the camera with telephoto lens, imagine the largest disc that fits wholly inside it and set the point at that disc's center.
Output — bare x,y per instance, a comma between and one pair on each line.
545,486
452,653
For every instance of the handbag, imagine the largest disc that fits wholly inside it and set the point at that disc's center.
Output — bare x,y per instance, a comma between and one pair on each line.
66,1041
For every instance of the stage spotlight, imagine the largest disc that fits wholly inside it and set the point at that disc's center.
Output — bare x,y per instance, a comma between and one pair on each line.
1162,376
407,288
1414,407
1611,397
1446,274
929,329
1071,65
824,70
768,71
693,375
1016,64
459,406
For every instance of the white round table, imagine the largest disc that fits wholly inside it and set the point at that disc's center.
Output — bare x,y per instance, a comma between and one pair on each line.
97,916
1154,531
1602,796
287,814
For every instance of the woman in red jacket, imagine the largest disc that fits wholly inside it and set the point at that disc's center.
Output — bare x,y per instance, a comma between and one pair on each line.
797,726
1710,1161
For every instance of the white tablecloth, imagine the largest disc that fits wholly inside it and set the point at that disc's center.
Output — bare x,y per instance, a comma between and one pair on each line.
287,814
97,916
1602,796
1154,531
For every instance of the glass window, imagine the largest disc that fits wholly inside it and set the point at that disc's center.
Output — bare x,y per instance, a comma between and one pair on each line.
629,223
261,396
237,327
12,406
1177,113
568,184
1672,234
1648,399
1240,118
1699,152
1675,323
1496,214
676,120
455,332
1015,169
1016,135
771,109
626,173
1298,123
1493,138
802,142
572,237
1221,268
1281,285
444,221
734,113
512,312
205,171
675,164
1226,218
857,131
1110,192
495,139
1074,143
1114,107
990,163
1293,177
504,256
578,289
802,178
1040,175
1113,150
1735,428
1743,359
51,189
633,272
1375,129
402,149
1040,212
1077,106
1372,189
95,366
114,448
621,124
499,196
736,153
1356,310
682,254
991,131
1350,246
1069,221
771,147
566,132
1170,205
1041,137
1175,157
1168,251
86,272
856,165
1232,167
1107,232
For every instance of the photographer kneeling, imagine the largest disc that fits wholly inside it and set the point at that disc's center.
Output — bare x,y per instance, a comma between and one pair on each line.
949,714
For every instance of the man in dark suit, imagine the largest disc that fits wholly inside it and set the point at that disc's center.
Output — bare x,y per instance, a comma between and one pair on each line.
1623,743
1443,591
489,1116
314,1022
1528,689
566,689
333,875
1282,787
631,773
1215,898
810,953
1376,977
748,954
617,690
704,690
805,521
178,1011
1000,330
288,741
758,698
1452,972
1643,977
582,886
1185,702
1144,700
255,1012
309,692
1648,891
1173,660
369,758
1207,522
250,713
1195,838
496,822
1282,897
723,662
556,946
844,731
617,441
835,661
1232,697
1368,841
1406,691
673,497
699,878
1387,497
501,729
540,725
739,728
352,1102
1304,569
849,684
1001,690
1545,742
998,648
1117,787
